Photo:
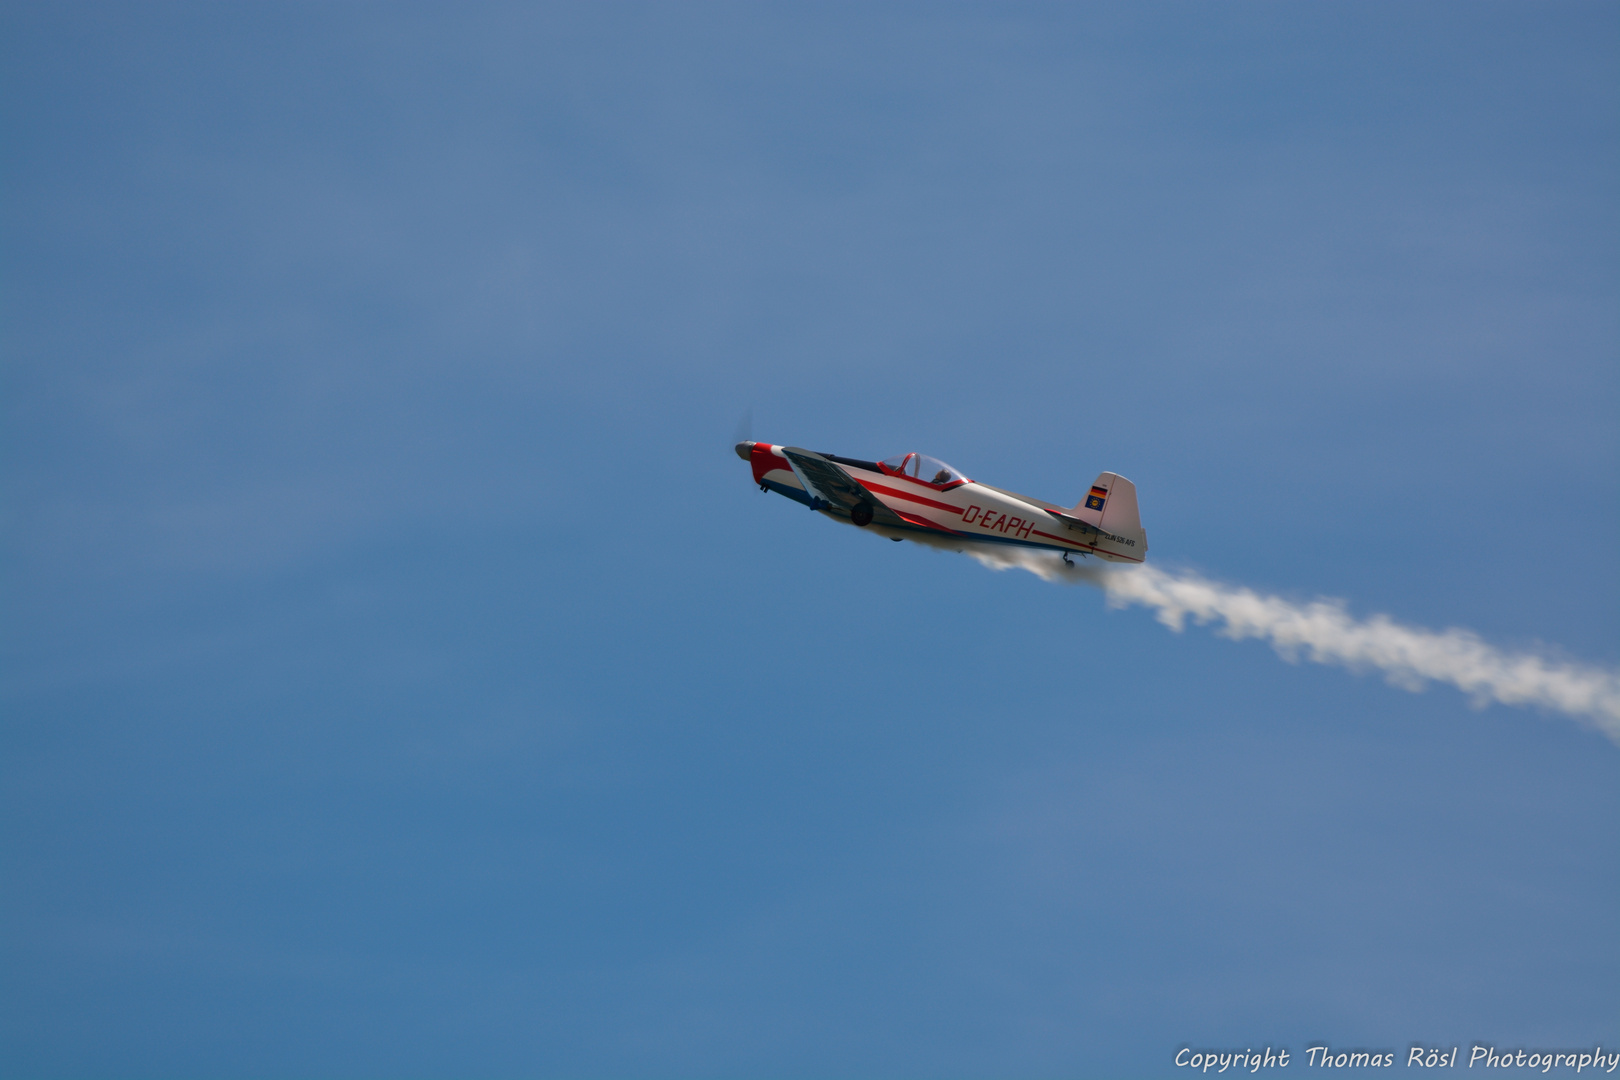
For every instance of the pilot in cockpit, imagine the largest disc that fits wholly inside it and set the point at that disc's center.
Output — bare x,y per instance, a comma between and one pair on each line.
917,467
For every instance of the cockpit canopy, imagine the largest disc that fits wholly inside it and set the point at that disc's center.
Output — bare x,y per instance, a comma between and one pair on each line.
922,467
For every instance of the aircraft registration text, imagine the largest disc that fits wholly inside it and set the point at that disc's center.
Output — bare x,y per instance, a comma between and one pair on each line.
991,522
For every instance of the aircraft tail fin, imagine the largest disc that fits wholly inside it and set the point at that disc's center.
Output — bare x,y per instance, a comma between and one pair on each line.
1110,508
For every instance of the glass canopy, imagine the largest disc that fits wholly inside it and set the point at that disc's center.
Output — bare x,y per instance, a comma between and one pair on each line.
929,470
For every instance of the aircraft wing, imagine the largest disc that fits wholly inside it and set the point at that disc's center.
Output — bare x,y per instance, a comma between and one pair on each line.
827,481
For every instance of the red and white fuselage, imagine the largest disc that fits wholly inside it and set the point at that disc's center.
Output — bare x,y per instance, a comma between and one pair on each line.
917,497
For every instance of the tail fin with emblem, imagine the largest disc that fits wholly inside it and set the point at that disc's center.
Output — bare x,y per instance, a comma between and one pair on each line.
1110,508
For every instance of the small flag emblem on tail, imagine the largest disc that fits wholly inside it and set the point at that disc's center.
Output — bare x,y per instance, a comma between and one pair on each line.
1095,500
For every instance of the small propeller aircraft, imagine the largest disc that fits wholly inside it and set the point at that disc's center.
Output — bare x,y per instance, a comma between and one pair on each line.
912,496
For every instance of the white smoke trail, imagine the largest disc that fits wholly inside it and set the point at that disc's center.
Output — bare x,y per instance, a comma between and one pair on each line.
1325,633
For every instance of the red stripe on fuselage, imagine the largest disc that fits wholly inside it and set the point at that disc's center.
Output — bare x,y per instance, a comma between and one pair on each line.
925,523
1089,547
897,493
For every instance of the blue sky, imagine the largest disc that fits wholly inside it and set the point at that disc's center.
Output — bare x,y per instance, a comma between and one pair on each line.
401,675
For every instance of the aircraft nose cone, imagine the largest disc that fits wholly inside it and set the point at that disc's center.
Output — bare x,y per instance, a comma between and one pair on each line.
744,450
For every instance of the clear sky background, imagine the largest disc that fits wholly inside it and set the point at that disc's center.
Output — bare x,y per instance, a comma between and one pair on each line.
402,676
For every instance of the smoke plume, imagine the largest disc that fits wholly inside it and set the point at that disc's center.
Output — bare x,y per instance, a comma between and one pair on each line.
1324,632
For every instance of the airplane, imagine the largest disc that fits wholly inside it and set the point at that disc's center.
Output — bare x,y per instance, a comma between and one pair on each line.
916,497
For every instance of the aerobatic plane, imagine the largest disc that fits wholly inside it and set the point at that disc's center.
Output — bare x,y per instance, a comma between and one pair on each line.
913,496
